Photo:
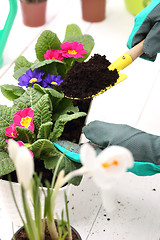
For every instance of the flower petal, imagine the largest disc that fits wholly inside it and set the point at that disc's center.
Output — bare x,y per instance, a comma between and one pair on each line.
24,166
13,148
88,156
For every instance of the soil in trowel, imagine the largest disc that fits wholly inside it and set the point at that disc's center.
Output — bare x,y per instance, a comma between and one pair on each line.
88,78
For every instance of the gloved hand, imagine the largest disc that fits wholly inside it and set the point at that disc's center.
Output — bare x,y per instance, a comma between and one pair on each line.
144,147
147,26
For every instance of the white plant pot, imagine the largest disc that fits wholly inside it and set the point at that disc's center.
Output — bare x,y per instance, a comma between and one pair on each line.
8,205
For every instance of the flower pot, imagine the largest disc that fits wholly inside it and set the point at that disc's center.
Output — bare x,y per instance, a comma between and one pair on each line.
135,6
93,10
34,14
9,207
75,234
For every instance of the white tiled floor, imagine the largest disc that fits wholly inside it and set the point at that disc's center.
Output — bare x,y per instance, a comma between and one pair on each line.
136,102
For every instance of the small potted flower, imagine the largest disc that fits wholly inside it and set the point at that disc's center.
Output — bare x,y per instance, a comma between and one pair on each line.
106,169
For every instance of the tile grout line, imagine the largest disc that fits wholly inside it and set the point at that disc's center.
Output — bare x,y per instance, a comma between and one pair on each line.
94,222
148,97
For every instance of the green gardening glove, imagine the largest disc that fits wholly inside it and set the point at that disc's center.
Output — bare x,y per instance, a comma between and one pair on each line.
147,26
144,147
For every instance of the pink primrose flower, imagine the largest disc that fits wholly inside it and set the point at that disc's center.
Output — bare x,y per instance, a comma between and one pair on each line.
11,131
24,118
73,49
53,54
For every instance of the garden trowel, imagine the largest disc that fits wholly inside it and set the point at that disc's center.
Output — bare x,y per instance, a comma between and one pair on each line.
4,33
122,62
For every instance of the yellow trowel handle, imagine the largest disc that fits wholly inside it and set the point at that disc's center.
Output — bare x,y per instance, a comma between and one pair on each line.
128,57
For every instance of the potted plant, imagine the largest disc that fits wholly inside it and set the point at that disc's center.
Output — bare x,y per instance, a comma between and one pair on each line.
106,168
40,110
33,12
93,10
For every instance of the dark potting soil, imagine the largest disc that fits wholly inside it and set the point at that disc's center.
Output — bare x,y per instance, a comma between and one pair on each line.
73,129
88,78
23,236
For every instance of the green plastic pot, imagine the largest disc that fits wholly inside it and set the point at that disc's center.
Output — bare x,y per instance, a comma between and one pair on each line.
135,6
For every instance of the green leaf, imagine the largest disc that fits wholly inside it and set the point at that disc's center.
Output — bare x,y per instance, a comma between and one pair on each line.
6,164
46,41
60,123
63,107
50,162
21,62
39,64
18,73
42,147
11,92
54,93
86,40
25,135
72,30
42,111
39,88
6,118
30,97
44,130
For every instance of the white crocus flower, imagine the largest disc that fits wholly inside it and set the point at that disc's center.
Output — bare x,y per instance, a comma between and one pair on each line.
13,147
106,168
23,162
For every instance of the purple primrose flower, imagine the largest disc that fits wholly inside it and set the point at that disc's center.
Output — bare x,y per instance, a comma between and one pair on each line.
31,77
51,80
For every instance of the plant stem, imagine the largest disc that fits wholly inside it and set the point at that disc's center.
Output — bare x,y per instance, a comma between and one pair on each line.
69,176
52,229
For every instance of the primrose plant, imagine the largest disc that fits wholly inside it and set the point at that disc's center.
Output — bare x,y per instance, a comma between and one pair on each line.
40,110
106,169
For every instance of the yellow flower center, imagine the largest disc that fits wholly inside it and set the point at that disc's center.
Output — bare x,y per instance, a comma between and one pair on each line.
53,57
33,80
73,52
54,83
12,134
106,164
26,121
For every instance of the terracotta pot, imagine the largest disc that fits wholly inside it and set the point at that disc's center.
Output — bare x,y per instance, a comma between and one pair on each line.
34,14
93,10
76,234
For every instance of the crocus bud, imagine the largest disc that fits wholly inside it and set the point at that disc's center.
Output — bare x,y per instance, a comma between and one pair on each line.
24,167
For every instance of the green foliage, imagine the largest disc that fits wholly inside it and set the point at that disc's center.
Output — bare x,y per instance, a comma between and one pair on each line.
18,73
44,130
65,106
11,92
21,62
72,30
47,41
28,98
6,118
60,123
42,111
6,164
42,147
25,135
51,160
